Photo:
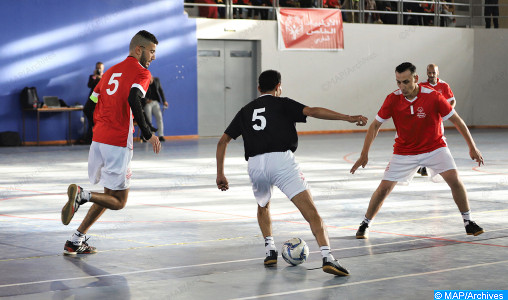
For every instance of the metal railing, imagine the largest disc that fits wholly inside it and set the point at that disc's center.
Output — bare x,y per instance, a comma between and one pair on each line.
464,13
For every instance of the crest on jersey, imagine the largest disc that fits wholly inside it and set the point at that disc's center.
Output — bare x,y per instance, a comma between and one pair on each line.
421,114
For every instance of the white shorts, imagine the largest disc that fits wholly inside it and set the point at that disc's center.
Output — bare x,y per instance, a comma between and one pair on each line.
275,168
110,166
402,168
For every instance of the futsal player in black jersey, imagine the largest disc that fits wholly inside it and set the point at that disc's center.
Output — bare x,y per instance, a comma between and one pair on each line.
267,125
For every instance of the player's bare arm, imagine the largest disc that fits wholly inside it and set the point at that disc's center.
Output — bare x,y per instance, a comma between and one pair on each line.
369,138
222,182
327,114
474,153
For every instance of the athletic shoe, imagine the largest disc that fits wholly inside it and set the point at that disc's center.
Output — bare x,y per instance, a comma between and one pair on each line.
473,229
84,248
363,231
334,267
271,259
423,171
162,139
72,205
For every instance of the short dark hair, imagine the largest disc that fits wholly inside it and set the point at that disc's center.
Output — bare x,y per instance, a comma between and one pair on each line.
403,67
147,35
268,80
141,38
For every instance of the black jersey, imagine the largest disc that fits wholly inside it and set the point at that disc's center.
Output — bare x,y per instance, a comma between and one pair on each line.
267,124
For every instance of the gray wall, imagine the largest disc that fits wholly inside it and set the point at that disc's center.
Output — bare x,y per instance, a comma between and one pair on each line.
489,81
357,79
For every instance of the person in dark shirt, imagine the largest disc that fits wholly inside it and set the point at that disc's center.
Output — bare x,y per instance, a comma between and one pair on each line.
267,125
93,80
151,105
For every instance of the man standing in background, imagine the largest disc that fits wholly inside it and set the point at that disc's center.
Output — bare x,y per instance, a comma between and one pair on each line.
434,82
153,100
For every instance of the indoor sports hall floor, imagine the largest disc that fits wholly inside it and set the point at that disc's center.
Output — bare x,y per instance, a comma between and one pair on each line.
181,238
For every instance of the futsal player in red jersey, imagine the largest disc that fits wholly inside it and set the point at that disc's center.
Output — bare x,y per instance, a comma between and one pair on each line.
115,101
267,125
417,113
436,83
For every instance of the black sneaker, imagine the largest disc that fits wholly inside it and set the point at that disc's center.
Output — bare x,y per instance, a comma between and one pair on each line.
162,139
271,259
363,231
334,267
72,205
473,229
423,171
84,248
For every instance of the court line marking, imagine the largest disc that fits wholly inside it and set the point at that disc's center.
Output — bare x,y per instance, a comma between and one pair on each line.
477,169
126,273
244,260
28,196
438,217
243,237
370,281
246,217
213,212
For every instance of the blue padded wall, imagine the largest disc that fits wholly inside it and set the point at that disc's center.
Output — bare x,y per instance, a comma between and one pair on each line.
54,45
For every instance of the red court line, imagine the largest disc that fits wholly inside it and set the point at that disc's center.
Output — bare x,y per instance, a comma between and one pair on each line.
39,192
346,157
100,221
212,212
286,221
238,217
197,210
286,213
477,169
20,197
248,217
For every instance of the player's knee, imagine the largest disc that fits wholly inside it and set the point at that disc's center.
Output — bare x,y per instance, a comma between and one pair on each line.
264,208
456,185
120,204
454,182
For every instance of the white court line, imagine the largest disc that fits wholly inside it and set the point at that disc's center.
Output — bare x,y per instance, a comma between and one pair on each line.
127,273
210,264
369,281
317,251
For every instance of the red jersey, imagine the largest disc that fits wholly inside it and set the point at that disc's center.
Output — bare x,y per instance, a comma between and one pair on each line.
113,116
417,121
442,87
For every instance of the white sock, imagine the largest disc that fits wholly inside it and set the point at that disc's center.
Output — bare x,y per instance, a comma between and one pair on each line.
326,252
365,220
269,244
466,216
77,238
85,196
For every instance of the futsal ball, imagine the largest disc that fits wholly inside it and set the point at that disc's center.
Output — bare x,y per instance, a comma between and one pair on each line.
295,251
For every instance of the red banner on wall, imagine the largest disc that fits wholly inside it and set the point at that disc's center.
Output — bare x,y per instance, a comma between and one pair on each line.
310,29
